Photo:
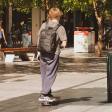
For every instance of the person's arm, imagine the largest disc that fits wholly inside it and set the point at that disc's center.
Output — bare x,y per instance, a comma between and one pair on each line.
62,35
4,36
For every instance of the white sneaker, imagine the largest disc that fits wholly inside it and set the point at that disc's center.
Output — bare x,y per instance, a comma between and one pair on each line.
43,98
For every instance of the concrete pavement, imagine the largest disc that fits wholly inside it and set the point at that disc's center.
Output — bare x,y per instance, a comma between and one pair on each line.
81,85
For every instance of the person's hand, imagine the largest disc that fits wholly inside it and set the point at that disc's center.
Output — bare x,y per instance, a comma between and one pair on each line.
5,42
63,44
38,55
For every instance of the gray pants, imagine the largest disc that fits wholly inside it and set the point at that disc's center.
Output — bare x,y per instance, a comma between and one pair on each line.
48,73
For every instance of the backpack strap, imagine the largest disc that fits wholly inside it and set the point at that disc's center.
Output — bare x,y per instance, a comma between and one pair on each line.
57,26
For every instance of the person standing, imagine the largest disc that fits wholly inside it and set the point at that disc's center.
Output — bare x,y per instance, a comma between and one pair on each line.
24,34
49,61
2,37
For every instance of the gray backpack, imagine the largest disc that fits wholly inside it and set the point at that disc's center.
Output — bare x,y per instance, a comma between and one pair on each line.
48,39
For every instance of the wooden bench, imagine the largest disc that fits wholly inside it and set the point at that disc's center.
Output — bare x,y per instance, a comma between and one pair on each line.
9,53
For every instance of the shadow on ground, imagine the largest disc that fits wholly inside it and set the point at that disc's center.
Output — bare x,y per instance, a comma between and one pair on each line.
92,65
70,96
66,65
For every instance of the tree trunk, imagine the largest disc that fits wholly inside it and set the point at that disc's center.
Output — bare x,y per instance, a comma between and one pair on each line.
99,44
46,8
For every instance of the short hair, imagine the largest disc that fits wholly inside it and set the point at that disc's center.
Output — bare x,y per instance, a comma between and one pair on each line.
54,13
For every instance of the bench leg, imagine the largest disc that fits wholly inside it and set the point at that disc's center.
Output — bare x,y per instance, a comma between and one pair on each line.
32,59
2,56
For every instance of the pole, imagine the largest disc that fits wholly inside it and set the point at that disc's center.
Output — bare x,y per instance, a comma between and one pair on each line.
109,77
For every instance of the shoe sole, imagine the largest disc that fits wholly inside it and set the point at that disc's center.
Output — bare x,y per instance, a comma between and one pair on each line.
44,100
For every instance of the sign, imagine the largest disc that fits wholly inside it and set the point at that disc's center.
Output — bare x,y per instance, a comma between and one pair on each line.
83,41
9,57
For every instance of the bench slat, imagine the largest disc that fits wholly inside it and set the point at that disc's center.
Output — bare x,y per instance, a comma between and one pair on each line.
29,49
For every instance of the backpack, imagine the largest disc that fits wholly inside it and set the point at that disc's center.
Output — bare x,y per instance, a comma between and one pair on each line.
48,39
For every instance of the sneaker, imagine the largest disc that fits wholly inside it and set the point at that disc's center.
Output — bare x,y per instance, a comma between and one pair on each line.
46,98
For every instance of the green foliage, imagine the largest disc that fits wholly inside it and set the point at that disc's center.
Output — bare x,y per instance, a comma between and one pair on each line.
37,3
76,4
23,10
23,6
109,7
4,3
104,6
87,6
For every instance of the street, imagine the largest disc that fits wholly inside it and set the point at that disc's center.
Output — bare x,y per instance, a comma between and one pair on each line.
81,85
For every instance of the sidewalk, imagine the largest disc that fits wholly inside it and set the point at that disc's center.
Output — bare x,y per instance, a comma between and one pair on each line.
80,84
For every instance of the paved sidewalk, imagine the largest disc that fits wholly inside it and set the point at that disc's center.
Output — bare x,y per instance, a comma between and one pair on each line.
81,85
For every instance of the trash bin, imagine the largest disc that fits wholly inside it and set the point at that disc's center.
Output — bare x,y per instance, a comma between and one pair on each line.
84,40
109,77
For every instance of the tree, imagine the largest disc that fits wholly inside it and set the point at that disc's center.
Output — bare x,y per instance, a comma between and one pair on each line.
99,8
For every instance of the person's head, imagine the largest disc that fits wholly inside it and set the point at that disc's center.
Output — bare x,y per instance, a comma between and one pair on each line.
54,13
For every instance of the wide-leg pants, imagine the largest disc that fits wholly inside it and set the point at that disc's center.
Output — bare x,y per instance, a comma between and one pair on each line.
48,71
